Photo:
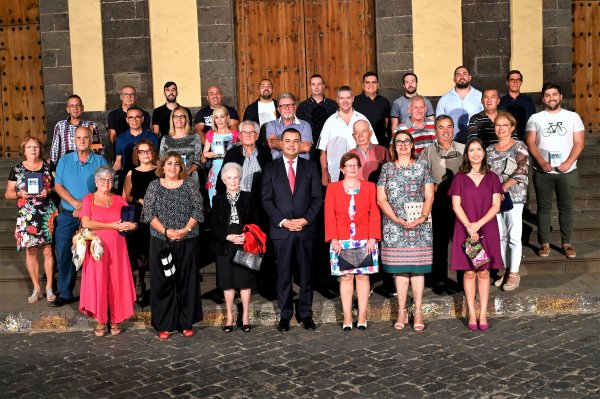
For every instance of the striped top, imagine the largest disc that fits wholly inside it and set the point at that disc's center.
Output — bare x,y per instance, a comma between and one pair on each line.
423,136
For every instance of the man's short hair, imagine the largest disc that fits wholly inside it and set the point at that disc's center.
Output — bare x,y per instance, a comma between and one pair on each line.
344,88
316,75
130,86
548,86
169,84
72,96
513,71
441,117
461,66
290,130
490,89
286,94
134,108
409,74
252,123
416,97
370,73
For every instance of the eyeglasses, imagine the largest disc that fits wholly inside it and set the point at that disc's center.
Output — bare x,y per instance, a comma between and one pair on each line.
406,142
135,117
353,165
104,180
32,147
248,132
453,153
503,125
179,117
286,105
142,152
129,95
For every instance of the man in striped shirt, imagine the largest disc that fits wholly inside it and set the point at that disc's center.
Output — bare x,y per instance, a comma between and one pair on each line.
422,129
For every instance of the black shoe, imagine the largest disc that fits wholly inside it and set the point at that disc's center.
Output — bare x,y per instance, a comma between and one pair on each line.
60,301
309,324
284,325
440,289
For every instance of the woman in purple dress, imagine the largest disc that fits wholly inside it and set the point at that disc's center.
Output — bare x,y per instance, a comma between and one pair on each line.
476,195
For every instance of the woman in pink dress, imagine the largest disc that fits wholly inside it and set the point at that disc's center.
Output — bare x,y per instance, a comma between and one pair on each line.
106,283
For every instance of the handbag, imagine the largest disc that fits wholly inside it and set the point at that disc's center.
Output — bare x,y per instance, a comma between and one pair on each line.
354,258
476,253
250,260
414,210
506,204
127,215
167,261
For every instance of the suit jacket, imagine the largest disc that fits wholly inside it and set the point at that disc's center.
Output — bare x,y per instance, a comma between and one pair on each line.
279,202
219,218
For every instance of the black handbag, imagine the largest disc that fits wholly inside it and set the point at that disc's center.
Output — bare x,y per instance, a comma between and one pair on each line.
249,259
167,262
127,215
506,204
354,258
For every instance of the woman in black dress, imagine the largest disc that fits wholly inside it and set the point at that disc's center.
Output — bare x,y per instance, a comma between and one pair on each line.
231,212
134,189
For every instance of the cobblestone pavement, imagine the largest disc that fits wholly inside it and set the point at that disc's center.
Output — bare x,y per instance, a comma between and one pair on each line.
519,357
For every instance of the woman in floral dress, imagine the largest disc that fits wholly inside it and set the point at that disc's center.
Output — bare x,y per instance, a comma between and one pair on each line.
36,214
406,249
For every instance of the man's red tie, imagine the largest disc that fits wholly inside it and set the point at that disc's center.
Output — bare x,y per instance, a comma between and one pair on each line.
292,176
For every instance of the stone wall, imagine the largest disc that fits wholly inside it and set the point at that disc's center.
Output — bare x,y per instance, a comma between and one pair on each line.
557,54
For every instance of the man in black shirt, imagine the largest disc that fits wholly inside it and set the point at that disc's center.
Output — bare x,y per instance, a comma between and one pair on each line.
116,122
375,107
520,105
317,108
161,116
203,118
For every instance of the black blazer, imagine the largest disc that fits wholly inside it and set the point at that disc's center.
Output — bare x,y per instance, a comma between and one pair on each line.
279,202
236,154
219,219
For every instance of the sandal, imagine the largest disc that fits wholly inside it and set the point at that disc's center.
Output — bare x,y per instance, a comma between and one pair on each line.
399,325
498,283
50,295
100,331
115,330
418,326
36,295
569,251
512,286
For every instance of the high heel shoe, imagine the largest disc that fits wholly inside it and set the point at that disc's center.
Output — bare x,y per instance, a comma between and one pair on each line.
418,326
347,327
247,328
361,326
399,325
484,326
188,333
228,329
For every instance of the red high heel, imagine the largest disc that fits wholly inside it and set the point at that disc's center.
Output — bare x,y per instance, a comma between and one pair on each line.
164,335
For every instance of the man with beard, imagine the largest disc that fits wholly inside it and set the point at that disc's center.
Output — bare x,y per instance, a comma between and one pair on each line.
400,111
555,139
264,109
286,103
460,103
116,122
162,114
203,118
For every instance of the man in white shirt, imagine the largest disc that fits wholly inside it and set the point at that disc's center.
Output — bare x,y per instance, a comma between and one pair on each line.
555,139
336,137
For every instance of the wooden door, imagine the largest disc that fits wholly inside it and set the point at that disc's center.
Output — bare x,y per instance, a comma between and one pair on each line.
22,95
586,63
289,40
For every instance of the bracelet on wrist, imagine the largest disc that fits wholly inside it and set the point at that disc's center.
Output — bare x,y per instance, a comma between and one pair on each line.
165,232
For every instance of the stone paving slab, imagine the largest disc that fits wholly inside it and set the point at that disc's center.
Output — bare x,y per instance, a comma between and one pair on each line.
519,357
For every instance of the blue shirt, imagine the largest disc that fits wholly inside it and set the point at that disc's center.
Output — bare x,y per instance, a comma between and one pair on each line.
460,110
77,177
126,143
276,128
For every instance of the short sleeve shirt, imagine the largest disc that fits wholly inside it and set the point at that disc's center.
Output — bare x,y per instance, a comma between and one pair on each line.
77,177
117,121
204,115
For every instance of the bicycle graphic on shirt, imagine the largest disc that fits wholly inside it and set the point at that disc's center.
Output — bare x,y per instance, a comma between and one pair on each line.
554,128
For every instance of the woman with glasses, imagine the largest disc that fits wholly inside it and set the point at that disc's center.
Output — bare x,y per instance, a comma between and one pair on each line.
353,222
106,284
405,195
509,159
134,189
36,214
183,140
218,140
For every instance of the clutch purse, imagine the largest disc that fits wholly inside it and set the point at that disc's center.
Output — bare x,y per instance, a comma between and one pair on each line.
167,262
127,215
248,259
414,210
354,258
506,204
476,253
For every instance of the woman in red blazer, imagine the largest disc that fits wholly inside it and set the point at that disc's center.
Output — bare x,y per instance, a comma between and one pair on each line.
353,226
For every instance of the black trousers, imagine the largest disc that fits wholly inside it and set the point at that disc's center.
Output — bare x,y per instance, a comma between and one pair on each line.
443,228
303,251
175,301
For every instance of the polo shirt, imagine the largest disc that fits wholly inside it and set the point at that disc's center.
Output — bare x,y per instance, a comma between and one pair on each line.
521,107
376,110
423,136
277,127
161,116
482,127
204,115
117,120
400,108
77,177
460,110
126,143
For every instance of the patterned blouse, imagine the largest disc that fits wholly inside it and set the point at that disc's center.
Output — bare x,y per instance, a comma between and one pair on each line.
173,206
512,163
189,147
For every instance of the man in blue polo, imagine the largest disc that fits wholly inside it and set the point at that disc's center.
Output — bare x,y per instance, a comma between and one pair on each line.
74,180
286,105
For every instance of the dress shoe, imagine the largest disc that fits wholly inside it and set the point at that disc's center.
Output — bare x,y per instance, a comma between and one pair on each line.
361,327
472,326
440,289
284,325
164,335
60,301
347,327
247,328
544,250
309,324
188,333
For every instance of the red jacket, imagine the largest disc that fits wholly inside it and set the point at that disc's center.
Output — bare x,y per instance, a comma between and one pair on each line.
367,218
251,244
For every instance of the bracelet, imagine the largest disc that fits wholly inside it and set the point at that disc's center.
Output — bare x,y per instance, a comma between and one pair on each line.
165,232
424,216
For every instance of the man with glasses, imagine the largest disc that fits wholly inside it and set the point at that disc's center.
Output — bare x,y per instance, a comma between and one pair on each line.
203,119
127,141
520,105
161,116
116,122
286,105
444,157
74,180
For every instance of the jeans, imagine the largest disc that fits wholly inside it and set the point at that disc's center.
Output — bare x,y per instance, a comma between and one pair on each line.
510,225
563,184
66,226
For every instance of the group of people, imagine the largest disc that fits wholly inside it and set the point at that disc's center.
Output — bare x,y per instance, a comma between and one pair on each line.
297,171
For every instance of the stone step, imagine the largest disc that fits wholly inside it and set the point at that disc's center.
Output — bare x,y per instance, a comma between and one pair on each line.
585,198
586,227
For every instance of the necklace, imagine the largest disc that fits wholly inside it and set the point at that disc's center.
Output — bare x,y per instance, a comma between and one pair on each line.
410,162
353,186
106,201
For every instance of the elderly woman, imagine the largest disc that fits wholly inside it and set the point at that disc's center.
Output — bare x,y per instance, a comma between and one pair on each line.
509,159
106,284
372,156
182,139
35,215
134,189
218,140
476,194
353,222
231,212
406,250
173,209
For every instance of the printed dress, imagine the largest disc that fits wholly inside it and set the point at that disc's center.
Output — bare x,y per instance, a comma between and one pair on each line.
405,250
219,144
352,242
35,217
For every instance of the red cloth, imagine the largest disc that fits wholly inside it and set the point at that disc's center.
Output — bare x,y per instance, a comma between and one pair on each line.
251,244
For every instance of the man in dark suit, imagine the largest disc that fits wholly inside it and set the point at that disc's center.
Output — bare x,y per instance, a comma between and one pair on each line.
291,194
